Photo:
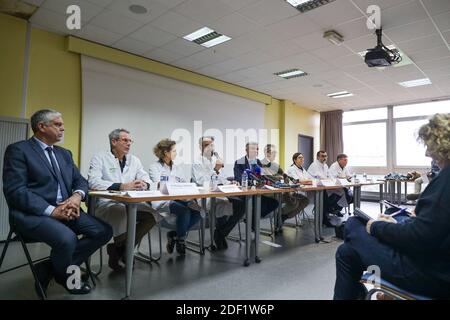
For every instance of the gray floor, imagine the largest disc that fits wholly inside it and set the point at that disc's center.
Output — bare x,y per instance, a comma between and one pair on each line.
299,269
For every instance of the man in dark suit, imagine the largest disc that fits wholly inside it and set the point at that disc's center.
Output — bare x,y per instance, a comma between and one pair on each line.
44,189
251,161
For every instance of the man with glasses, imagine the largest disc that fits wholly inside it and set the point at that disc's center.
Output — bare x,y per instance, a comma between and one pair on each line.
118,170
44,190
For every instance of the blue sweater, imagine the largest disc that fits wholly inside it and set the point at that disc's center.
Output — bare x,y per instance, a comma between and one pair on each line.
425,238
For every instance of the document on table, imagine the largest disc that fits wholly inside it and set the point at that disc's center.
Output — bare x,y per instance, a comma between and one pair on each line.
229,188
343,182
179,189
270,187
327,183
144,194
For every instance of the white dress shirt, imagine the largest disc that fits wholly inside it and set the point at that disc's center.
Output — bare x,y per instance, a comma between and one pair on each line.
48,211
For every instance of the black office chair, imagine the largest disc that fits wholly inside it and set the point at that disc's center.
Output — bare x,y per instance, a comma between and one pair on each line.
31,263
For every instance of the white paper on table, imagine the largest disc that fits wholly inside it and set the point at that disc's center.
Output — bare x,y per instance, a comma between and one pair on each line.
229,188
327,183
270,187
144,194
179,189
343,182
108,193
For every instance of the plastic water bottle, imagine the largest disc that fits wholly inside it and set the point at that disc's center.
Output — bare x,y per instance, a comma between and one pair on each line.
364,176
244,182
214,181
354,178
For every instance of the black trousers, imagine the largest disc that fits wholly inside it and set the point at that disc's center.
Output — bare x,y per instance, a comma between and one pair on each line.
361,250
226,224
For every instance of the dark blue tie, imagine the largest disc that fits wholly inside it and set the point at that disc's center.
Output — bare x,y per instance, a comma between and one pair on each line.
57,172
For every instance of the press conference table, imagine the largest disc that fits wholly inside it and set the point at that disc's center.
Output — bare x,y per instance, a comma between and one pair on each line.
250,194
132,203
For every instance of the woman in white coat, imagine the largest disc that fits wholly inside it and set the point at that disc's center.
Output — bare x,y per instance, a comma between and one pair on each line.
117,170
186,213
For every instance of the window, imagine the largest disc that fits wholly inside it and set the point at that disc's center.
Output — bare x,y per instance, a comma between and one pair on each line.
422,109
365,115
409,152
365,144
383,140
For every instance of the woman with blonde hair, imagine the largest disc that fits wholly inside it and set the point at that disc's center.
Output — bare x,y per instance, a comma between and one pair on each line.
413,254
186,213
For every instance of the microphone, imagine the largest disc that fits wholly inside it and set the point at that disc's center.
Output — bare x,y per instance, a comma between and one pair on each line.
252,176
271,179
217,156
285,176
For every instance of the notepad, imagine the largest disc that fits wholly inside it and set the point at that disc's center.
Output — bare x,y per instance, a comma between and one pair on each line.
144,194
230,188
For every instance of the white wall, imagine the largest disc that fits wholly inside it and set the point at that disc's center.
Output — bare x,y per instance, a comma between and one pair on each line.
152,107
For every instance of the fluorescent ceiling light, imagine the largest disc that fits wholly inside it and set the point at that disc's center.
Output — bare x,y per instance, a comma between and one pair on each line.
206,37
306,5
198,34
415,83
296,3
216,41
341,94
292,73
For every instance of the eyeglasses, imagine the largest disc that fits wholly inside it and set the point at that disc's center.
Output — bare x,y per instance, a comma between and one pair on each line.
323,156
126,140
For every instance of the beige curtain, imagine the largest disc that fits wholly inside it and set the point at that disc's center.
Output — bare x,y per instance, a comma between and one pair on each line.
331,137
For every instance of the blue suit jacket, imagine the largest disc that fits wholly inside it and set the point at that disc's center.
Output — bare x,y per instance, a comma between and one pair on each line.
240,165
29,183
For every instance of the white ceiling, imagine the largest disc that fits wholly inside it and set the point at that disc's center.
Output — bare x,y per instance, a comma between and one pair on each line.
270,36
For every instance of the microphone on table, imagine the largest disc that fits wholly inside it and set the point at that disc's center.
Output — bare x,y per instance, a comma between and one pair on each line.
285,176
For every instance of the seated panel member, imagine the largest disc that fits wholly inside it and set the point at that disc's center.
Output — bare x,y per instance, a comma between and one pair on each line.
319,170
250,161
294,202
339,198
117,169
44,189
228,210
186,213
413,254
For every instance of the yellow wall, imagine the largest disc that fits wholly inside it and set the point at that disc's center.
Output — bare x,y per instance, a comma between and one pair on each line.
55,82
12,46
299,120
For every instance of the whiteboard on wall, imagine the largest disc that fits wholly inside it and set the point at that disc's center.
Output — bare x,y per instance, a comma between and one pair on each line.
154,107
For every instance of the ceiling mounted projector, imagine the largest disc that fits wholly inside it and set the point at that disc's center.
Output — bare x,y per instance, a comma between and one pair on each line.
381,56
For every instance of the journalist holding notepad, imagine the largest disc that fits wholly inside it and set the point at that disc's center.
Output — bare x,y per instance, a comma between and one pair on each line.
414,254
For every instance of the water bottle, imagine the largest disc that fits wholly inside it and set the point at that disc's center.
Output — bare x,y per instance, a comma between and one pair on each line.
244,182
214,181
364,176
354,178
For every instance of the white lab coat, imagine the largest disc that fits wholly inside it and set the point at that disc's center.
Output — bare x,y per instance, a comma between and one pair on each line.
336,172
296,173
318,170
202,170
104,170
175,174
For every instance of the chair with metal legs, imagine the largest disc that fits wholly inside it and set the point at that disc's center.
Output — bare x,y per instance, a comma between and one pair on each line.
30,262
